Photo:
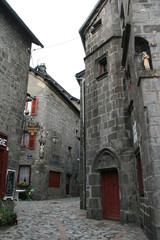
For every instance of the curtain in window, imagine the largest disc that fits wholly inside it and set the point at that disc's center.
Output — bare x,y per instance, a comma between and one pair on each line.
24,173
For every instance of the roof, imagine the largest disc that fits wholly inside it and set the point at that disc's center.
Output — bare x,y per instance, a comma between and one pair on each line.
38,70
12,13
87,22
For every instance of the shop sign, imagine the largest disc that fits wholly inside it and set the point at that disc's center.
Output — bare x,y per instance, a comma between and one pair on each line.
3,140
33,128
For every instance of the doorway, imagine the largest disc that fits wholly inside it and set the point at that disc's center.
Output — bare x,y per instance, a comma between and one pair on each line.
110,195
68,185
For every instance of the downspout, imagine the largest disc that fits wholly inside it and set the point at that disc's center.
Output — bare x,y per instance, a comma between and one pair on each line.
83,143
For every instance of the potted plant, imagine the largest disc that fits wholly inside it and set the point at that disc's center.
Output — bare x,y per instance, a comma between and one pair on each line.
7,217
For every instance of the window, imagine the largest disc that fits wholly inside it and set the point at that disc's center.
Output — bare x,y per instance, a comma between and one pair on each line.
54,179
96,26
140,176
101,67
28,142
24,173
31,106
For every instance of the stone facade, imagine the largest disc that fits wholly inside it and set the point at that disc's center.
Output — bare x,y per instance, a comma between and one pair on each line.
58,118
122,123
15,45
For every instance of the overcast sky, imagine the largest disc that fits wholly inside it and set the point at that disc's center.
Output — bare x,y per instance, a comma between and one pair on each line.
56,24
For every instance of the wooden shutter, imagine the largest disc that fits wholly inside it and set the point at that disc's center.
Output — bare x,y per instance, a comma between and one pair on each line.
54,179
31,143
34,106
3,171
140,177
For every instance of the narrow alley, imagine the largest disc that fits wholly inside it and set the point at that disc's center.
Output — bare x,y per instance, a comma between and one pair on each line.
62,219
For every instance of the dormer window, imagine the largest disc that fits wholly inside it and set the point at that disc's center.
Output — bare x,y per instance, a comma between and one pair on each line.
96,26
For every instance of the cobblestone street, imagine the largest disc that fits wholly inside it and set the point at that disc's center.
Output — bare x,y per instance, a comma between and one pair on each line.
62,219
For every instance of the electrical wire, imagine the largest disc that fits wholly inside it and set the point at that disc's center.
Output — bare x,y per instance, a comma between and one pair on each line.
57,44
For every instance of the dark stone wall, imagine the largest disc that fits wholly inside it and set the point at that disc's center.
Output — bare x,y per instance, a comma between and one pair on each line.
14,58
108,129
54,116
144,21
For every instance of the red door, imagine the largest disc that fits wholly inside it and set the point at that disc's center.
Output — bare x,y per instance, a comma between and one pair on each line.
110,193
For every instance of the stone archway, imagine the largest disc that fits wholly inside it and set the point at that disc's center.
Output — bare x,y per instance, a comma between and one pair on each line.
105,159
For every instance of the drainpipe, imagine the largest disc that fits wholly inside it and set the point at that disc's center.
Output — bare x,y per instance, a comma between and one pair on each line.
83,200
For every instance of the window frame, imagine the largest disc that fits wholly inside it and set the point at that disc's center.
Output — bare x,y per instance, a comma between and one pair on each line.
31,141
18,177
102,66
33,108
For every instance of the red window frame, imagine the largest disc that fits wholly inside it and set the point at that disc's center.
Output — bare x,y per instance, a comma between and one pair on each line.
31,142
19,173
3,166
54,179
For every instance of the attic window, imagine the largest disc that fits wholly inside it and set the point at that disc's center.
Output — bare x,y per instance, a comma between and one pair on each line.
96,26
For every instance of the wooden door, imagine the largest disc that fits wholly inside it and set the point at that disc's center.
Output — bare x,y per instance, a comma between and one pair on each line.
110,194
67,185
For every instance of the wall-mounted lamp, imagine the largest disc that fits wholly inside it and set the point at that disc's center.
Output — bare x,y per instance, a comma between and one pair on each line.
55,139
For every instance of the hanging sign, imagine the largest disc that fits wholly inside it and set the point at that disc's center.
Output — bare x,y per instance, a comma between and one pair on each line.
33,128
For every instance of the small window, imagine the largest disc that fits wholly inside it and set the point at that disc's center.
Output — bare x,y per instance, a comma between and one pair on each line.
28,142
54,179
69,151
96,26
101,65
24,174
31,106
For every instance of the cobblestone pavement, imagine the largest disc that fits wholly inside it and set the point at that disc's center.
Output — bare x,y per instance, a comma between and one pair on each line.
62,219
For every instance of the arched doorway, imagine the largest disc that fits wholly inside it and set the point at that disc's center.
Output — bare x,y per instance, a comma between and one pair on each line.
106,165
110,195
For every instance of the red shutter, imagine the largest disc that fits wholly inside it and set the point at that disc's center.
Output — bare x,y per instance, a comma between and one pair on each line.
140,178
34,106
3,171
54,179
31,143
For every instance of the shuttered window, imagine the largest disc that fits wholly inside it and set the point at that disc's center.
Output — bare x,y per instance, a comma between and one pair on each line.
31,106
54,179
28,142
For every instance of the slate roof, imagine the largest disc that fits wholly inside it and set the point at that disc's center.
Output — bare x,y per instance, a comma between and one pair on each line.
4,5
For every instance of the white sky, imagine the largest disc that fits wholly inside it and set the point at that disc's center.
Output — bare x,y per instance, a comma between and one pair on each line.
56,24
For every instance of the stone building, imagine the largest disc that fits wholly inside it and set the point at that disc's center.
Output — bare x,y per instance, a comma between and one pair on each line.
50,145
15,46
122,117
